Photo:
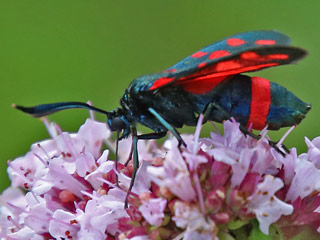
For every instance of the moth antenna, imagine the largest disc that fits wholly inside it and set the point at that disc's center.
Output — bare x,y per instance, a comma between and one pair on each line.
47,109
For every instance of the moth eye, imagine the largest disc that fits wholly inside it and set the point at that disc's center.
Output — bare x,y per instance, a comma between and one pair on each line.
118,124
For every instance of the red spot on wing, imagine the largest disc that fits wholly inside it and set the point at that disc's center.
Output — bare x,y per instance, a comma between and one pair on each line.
202,65
219,54
161,82
227,65
200,85
249,55
278,56
265,42
199,54
260,102
255,56
235,42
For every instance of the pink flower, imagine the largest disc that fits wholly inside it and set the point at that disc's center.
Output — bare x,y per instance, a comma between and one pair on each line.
174,175
152,210
215,188
266,206
305,181
314,150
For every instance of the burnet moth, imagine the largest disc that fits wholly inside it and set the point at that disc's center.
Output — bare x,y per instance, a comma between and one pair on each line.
208,82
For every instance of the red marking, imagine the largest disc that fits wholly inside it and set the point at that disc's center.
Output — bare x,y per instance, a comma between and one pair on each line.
248,61
226,68
278,56
160,82
227,65
28,171
199,54
260,102
249,55
202,65
253,55
219,54
73,221
265,42
231,69
67,233
235,42
200,85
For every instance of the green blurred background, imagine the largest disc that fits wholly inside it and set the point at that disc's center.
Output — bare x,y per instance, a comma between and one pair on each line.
80,50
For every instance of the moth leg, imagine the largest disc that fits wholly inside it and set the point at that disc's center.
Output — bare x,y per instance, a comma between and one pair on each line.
148,136
210,106
169,127
273,144
245,131
135,164
155,135
135,139
206,112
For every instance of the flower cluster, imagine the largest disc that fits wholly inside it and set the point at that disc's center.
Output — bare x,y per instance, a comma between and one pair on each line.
224,187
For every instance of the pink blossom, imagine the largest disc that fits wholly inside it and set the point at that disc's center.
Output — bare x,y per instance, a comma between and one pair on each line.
266,206
152,210
215,188
305,181
314,150
174,174
193,221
